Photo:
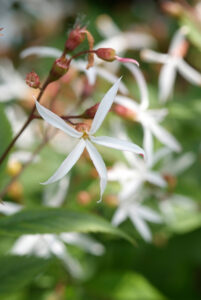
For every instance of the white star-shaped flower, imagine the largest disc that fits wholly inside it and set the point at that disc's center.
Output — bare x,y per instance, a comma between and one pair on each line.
148,118
86,138
173,61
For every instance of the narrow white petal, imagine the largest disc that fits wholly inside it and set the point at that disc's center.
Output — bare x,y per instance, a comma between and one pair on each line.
166,81
41,52
149,214
189,73
99,165
68,163
165,137
141,226
141,84
25,244
156,179
128,103
119,216
153,56
56,121
104,107
178,39
117,144
9,208
148,146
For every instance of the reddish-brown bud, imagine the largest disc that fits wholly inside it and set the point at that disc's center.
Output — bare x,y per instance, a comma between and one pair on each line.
76,37
59,68
33,80
123,111
107,54
84,198
171,180
90,112
82,127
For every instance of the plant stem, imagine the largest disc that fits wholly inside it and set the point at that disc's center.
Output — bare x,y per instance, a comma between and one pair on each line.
30,118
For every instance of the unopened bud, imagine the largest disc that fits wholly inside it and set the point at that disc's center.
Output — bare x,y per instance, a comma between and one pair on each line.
15,190
59,68
107,54
82,127
14,168
111,200
124,112
83,198
76,37
33,80
90,112
171,180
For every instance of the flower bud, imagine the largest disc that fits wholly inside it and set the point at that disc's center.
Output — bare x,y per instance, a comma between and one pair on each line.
90,112
111,200
171,180
107,54
123,111
76,37
14,168
82,127
15,190
59,68
84,198
33,80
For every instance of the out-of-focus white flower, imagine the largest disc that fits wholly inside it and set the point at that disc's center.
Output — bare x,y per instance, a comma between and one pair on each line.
86,139
138,214
148,118
133,177
9,208
55,194
45,245
119,40
173,61
12,85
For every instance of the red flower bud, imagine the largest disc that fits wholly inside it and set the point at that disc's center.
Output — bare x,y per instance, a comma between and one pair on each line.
76,37
90,112
33,80
59,68
123,111
107,54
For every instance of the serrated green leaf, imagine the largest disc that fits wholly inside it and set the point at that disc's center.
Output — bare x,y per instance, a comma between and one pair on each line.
17,271
57,220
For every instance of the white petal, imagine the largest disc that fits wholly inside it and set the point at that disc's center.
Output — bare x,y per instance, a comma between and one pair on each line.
156,179
106,26
153,56
9,208
141,226
25,244
165,137
149,214
56,121
166,81
104,107
130,188
148,146
119,216
189,73
144,98
178,39
99,165
117,144
68,163
41,52
128,103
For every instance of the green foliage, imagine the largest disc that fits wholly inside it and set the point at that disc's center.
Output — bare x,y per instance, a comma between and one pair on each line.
47,220
17,271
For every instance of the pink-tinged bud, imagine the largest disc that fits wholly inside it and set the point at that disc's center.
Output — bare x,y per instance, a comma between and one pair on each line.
59,68
107,54
90,112
33,80
181,50
76,37
123,111
84,198
111,200
82,127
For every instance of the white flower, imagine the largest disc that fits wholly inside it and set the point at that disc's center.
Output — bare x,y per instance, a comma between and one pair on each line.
45,245
138,214
9,208
173,62
147,117
86,139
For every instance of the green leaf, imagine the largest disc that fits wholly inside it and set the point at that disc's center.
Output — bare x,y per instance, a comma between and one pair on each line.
17,271
57,220
5,135
123,286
